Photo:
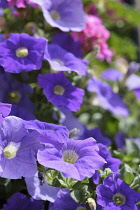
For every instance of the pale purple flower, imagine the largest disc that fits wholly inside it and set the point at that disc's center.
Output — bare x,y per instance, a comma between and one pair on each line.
18,148
22,52
112,74
62,60
39,189
60,92
74,158
133,67
63,14
107,99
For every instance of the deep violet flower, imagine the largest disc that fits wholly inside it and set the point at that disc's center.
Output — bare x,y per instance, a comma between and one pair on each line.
107,99
76,159
65,202
3,4
22,52
120,140
112,74
66,42
62,60
19,201
39,189
15,93
96,134
18,149
5,110
60,92
65,14
116,194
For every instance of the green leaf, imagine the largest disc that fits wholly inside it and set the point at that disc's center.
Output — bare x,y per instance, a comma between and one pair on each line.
127,174
80,195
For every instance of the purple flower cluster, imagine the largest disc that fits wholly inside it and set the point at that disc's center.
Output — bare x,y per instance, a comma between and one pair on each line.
48,157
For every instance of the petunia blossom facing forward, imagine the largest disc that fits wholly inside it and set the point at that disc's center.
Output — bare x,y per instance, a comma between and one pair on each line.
22,52
18,149
116,194
60,92
65,14
76,159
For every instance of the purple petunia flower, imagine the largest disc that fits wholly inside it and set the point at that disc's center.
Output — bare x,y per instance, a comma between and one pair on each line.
96,134
15,93
60,92
19,201
65,202
112,74
65,14
5,110
66,42
133,67
18,149
107,99
62,60
116,194
120,140
22,52
133,84
3,4
39,189
74,158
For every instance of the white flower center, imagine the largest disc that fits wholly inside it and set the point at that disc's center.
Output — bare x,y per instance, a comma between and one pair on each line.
10,150
70,156
59,90
14,96
55,15
22,52
119,199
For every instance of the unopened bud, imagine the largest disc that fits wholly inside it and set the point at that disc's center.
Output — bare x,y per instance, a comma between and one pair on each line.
91,203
